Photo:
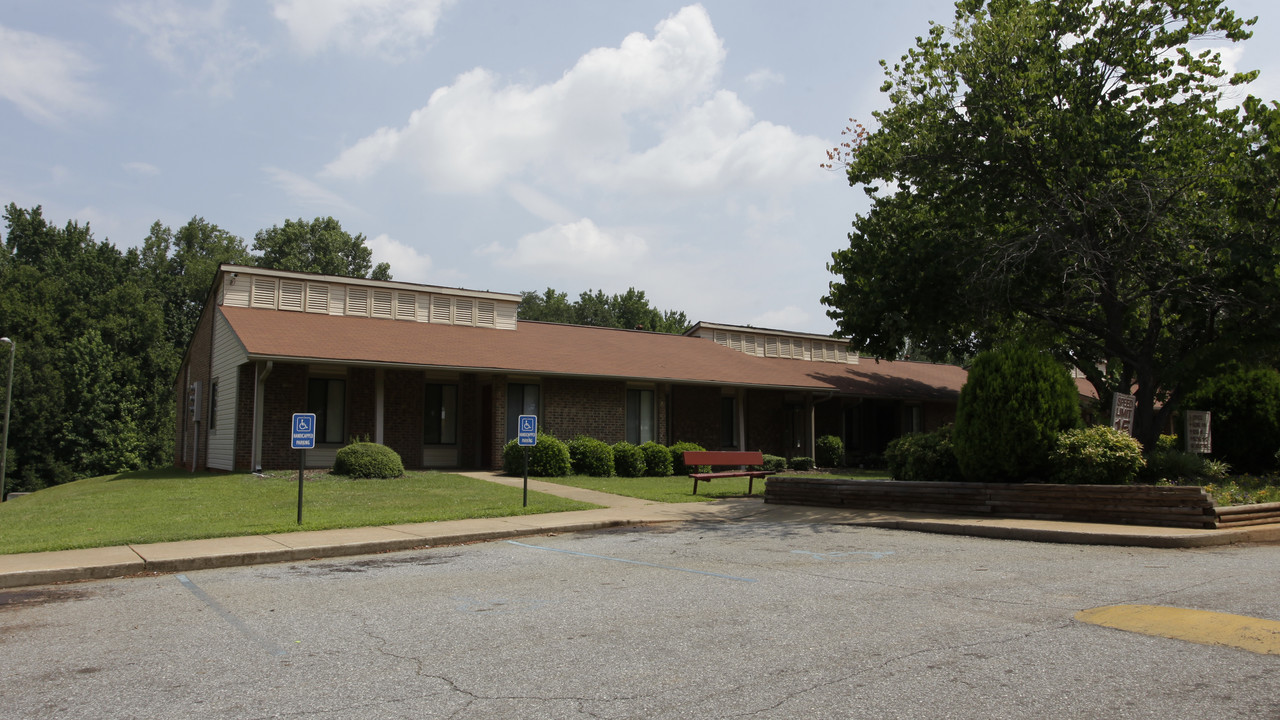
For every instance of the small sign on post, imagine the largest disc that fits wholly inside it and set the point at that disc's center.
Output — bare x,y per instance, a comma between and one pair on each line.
1199,435
1122,412
304,439
527,437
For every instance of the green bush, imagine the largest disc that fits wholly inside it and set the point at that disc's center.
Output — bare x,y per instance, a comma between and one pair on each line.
657,459
628,460
1245,404
1011,410
677,459
830,451
800,463
549,458
928,457
368,460
591,457
1176,466
774,463
1097,455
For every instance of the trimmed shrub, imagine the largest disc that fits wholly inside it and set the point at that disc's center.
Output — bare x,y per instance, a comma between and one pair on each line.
1097,455
628,460
927,457
774,463
830,451
677,459
549,458
1176,466
1011,410
591,457
800,463
1246,416
368,460
657,459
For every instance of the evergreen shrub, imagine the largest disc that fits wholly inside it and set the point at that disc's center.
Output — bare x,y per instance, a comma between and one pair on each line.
1245,422
924,457
830,451
1011,410
800,463
774,463
368,460
657,459
591,457
549,458
1097,455
628,460
677,459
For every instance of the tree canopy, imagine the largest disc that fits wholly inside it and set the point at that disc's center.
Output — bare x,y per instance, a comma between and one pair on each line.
320,246
629,310
1068,173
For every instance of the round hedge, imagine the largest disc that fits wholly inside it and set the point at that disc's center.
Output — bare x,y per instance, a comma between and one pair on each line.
591,457
549,458
923,457
830,451
657,459
1097,455
368,460
677,458
628,460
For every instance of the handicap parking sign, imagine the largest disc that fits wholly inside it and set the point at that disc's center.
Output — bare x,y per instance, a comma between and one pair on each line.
304,431
528,431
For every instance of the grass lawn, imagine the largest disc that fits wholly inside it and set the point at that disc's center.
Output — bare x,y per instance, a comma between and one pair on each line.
167,504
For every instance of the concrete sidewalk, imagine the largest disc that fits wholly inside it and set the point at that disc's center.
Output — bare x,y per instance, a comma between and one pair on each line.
97,563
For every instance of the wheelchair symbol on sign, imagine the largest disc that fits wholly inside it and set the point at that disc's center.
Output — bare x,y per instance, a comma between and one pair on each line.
527,424
304,424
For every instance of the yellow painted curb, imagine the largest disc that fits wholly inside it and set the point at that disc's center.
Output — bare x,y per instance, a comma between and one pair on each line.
1198,626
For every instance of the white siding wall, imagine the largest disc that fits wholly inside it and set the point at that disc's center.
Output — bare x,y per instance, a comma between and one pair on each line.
228,355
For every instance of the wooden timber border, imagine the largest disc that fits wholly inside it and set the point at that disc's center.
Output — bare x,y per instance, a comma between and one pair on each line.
1174,506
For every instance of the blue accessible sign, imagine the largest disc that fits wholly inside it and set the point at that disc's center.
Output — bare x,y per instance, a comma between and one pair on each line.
304,431
527,435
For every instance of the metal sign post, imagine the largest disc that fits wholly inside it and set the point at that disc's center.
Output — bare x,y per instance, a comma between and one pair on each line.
303,438
526,438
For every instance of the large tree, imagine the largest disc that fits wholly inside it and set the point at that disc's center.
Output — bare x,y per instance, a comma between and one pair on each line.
629,310
1067,172
182,267
320,246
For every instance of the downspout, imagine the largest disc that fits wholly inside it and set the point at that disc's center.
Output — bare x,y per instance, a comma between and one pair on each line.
379,388
259,393
813,421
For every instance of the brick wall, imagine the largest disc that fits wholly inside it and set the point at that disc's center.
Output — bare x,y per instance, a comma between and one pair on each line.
766,426
197,363
244,418
362,399
596,408
403,397
696,414
469,422
285,394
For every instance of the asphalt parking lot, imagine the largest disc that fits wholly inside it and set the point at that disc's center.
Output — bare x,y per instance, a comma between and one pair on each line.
710,620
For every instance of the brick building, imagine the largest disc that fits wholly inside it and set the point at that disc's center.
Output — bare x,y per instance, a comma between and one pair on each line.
440,375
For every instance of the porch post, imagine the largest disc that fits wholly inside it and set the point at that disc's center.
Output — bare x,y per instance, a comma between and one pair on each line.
379,385
742,419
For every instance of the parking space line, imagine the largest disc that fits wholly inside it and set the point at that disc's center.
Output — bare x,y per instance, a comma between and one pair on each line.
232,620
633,562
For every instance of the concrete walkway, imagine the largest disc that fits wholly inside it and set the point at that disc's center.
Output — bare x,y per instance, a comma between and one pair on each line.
617,511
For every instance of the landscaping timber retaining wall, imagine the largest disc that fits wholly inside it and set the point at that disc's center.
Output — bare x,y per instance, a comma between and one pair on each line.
1179,506
1242,515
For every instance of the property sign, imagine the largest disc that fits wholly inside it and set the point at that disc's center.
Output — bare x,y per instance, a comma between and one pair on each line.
304,431
1122,412
1199,437
527,435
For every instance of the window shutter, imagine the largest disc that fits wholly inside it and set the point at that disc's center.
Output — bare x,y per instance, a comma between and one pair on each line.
406,306
381,303
291,295
357,301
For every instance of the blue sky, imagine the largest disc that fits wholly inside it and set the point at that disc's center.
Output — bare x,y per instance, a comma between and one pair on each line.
487,144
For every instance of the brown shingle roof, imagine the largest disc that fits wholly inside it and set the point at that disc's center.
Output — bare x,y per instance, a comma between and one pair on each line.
551,349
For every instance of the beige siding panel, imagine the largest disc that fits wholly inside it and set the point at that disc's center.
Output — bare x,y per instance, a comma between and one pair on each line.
322,457
507,316
228,356
235,291
337,299
424,307
439,457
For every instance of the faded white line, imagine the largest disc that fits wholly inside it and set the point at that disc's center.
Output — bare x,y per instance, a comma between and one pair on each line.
232,620
632,562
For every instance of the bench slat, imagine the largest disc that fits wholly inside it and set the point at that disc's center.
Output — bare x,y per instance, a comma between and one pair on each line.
723,457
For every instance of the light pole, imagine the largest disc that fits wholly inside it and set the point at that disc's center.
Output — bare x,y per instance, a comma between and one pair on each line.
8,397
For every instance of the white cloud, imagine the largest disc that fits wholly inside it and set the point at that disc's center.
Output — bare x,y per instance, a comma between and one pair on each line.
763,78
539,205
574,246
192,42
407,264
788,317
306,191
44,77
141,168
389,28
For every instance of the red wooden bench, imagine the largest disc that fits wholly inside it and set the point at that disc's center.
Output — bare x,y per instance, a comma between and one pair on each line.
722,458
